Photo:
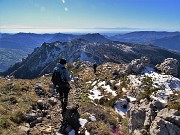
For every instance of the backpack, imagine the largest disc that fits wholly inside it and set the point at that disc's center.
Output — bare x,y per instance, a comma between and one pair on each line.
58,79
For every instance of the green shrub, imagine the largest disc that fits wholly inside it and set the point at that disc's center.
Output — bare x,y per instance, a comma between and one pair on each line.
148,89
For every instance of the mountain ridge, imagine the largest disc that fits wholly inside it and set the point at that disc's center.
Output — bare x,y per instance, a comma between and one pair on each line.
44,58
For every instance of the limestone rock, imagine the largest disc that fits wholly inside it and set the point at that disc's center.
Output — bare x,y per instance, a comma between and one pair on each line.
169,66
167,122
153,118
137,65
136,118
31,117
24,129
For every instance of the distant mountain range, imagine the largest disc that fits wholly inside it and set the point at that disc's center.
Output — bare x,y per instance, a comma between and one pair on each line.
25,43
44,58
169,40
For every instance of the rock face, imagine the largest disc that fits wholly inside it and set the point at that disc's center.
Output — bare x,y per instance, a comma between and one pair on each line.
167,122
169,66
153,118
137,65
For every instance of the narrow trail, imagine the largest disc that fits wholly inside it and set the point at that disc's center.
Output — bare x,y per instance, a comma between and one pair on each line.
51,123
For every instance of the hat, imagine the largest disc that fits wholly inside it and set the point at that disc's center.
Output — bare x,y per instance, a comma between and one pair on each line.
62,61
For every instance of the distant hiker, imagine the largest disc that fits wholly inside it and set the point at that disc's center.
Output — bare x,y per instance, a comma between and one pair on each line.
94,67
61,80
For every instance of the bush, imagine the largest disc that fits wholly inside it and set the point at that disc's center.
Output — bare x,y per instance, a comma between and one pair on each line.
148,88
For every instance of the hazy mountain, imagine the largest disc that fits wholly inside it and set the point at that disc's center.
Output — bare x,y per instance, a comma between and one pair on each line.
96,37
62,37
143,36
168,40
23,40
44,58
14,47
9,57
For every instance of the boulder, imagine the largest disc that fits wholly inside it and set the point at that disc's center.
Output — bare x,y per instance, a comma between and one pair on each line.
137,65
167,122
136,118
24,129
169,66
153,118
31,116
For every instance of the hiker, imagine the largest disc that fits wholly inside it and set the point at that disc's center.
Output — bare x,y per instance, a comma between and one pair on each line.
94,67
61,80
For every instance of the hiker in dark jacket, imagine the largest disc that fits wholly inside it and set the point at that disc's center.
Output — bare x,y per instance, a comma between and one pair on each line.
94,67
64,87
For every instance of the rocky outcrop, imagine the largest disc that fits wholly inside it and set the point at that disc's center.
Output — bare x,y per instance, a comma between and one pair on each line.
167,122
169,66
137,65
153,118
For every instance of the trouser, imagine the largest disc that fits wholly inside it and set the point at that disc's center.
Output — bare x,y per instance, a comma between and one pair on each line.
63,96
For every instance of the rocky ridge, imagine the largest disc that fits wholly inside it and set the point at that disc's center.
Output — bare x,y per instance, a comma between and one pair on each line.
44,58
169,66
110,101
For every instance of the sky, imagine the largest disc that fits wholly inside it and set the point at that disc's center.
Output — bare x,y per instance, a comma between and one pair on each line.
69,15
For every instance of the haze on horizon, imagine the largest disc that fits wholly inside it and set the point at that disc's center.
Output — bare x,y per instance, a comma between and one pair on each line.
88,15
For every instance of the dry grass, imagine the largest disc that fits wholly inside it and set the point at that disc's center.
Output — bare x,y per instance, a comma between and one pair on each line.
174,101
16,98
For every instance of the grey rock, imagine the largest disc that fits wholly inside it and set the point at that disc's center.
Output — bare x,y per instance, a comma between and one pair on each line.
31,117
39,90
52,101
136,118
39,119
24,129
137,65
140,132
167,122
33,123
169,66
153,118
42,105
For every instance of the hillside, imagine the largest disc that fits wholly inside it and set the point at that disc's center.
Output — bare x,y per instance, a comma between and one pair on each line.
9,57
109,103
25,43
169,40
44,58
15,47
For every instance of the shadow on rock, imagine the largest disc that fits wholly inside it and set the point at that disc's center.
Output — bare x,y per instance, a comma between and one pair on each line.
70,121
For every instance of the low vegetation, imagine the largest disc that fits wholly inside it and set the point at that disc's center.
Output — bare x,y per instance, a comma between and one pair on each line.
147,89
16,98
174,102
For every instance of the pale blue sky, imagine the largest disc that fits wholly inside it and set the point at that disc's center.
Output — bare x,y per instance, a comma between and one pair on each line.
76,14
